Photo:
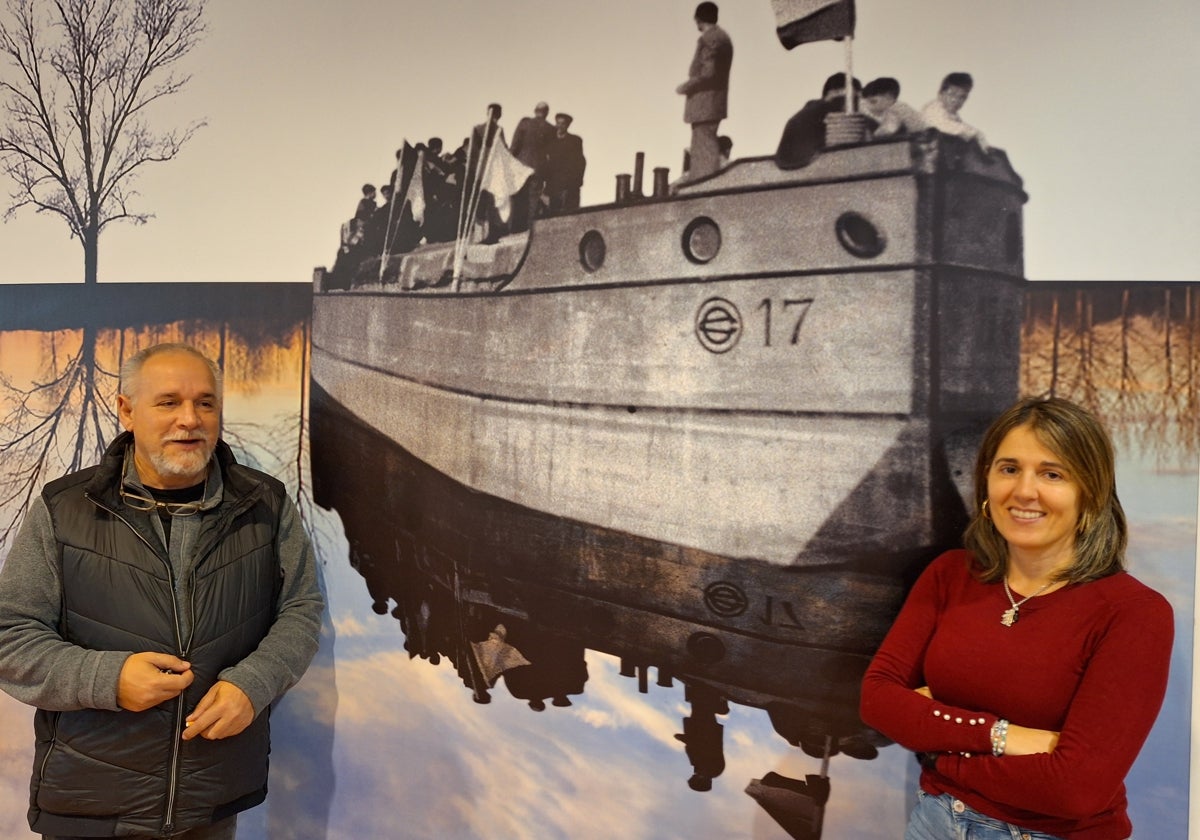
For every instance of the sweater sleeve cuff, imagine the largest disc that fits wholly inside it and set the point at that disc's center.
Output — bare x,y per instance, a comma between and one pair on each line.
106,678
259,694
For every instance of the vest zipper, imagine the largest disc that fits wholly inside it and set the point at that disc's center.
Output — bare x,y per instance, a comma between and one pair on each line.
173,781
173,774
41,770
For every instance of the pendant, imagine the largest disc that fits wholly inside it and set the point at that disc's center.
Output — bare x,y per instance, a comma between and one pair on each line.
1010,617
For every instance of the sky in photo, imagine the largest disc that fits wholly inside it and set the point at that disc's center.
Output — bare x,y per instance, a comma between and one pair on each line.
306,101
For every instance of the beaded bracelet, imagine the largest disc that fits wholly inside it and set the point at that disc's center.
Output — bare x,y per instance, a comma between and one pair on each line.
999,737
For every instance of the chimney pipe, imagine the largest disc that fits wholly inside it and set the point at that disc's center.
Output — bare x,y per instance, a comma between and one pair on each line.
661,185
622,189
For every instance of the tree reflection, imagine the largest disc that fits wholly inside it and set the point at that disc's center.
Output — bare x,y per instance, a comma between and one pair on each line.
56,421
1128,352
58,393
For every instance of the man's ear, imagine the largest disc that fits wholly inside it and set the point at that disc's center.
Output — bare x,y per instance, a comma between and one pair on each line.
125,411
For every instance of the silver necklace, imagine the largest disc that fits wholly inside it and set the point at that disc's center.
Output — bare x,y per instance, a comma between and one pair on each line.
1010,615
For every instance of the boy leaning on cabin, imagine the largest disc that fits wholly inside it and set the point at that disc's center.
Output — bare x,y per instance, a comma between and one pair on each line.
880,101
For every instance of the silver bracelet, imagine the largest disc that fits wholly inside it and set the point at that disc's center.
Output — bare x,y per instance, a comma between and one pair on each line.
999,737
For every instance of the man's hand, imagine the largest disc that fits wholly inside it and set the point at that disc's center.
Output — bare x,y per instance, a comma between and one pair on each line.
221,713
149,678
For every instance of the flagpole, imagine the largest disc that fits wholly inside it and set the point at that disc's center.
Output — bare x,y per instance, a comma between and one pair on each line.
484,171
471,198
849,50
462,213
387,233
485,159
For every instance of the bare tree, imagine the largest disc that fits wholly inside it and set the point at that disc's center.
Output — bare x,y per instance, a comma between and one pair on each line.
81,75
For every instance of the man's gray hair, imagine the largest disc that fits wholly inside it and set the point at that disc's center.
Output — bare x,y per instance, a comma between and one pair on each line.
132,369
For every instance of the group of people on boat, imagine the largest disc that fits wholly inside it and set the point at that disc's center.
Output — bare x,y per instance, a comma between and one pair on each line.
482,190
487,187
556,157
394,227
809,131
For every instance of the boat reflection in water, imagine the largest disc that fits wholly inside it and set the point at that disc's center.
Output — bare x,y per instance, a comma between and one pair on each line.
514,598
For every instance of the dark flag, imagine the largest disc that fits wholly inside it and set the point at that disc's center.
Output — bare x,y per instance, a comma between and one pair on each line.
802,21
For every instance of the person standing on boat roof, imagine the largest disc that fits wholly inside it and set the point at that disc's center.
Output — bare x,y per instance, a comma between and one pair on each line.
153,608
565,165
453,166
349,255
441,210
479,144
804,134
366,204
530,141
942,112
1027,670
483,136
375,228
707,91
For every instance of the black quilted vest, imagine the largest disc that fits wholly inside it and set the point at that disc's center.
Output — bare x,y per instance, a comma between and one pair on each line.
99,773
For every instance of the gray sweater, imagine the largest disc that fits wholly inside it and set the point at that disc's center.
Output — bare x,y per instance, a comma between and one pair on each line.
39,668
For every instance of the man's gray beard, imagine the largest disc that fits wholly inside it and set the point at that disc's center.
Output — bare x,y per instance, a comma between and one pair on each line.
182,464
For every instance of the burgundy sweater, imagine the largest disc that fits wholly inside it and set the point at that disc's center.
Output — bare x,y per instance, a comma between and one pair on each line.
1088,660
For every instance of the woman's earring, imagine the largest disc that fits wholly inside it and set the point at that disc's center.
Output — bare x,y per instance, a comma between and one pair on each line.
983,511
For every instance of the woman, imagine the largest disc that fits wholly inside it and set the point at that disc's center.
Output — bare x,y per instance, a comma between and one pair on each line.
1027,670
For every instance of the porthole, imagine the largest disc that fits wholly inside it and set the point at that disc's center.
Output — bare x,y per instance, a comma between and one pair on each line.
592,251
701,240
705,648
859,235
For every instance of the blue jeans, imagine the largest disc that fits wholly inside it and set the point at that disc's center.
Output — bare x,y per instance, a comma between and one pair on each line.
946,818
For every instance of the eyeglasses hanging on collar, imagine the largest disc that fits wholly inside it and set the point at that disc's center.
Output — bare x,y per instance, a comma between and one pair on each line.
136,502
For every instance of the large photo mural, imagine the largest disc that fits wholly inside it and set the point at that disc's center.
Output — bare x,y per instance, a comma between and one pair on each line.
615,486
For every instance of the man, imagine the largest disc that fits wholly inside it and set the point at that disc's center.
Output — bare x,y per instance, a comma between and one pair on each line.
804,134
880,99
483,137
152,608
375,229
441,194
707,91
366,204
725,149
349,255
565,165
942,113
530,140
